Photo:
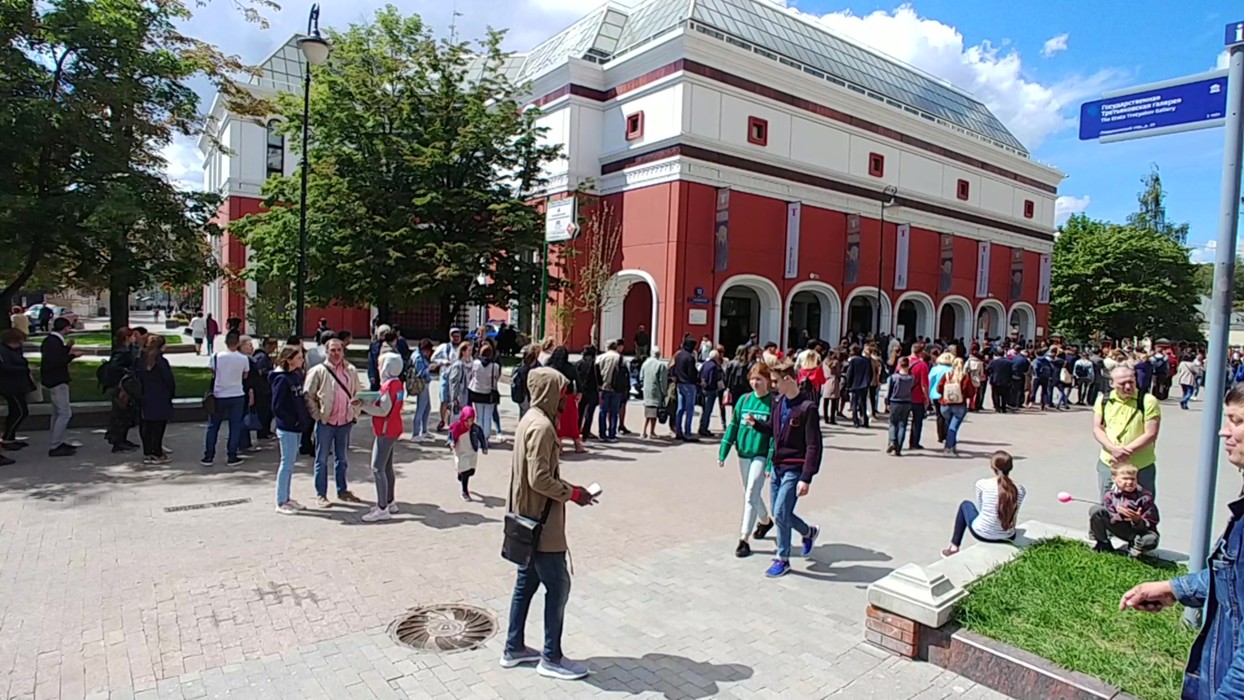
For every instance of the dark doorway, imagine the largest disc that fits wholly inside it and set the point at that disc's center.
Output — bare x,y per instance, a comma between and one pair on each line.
740,317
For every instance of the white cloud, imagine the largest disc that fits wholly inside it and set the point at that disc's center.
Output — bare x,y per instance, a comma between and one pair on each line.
1031,110
1066,205
1054,45
1224,60
1204,253
184,164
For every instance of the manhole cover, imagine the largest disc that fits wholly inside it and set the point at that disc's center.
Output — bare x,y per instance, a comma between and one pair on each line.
444,628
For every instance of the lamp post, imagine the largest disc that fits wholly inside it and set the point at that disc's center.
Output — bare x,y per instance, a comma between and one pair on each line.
316,50
887,199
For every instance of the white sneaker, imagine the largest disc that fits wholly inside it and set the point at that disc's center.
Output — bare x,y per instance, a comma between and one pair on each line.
286,509
393,509
295,505
375,514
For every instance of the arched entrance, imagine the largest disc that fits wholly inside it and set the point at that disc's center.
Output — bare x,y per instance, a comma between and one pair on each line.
813,307
915,317
631,302
860,311
748,304
1023,322
991,319
955,319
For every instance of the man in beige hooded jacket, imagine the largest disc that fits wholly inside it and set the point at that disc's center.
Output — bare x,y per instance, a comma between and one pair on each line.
536,481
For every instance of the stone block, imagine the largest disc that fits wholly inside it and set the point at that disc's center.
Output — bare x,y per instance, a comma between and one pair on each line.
919,595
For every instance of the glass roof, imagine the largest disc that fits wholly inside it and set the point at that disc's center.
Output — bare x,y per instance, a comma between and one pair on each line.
770,31
282,72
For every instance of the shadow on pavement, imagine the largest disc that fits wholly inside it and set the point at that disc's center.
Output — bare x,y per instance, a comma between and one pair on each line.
676,677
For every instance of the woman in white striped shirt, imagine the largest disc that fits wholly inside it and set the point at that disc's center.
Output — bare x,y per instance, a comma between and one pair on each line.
992,517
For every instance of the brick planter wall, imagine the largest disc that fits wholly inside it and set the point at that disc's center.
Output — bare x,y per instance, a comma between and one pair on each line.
893,633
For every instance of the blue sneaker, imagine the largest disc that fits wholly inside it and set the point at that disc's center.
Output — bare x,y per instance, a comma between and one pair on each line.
779,567
809,540
511,659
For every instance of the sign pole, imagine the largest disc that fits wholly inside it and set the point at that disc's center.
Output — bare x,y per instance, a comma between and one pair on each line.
1219,321
544,287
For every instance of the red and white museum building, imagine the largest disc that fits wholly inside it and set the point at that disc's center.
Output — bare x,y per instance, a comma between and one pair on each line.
752,157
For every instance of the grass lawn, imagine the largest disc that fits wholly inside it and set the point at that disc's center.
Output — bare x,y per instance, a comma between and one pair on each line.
192,382
1060,600
105,338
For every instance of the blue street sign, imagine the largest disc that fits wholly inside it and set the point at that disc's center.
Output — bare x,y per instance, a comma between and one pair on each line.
1195,102
1233,34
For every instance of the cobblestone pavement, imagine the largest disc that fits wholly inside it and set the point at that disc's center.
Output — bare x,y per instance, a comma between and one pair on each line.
105,594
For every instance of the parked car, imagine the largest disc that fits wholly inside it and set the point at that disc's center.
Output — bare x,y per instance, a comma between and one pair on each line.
57,312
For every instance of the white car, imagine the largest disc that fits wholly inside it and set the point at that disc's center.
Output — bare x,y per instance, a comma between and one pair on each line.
57,312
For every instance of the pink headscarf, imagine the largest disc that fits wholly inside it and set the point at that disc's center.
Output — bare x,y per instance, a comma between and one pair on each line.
460,427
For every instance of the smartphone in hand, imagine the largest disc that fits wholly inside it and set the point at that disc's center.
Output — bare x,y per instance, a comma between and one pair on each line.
595,490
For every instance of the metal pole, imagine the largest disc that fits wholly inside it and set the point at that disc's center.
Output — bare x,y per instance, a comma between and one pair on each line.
544,286
887,198
1220,317
300,309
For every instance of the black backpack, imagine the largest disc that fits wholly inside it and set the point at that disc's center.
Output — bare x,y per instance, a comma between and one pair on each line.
518,384
110,374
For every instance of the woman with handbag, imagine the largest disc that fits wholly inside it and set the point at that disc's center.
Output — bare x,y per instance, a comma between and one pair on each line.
289,407
417,385
654,383
155,408
16,384
456,380
482,386
568,424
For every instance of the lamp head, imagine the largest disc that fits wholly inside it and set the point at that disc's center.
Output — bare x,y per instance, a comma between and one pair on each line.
315,49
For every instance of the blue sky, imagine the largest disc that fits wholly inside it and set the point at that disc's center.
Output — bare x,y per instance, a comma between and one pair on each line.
1032,63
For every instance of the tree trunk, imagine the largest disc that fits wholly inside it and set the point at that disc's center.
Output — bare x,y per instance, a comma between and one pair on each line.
447,316
118,300
384,310
9,292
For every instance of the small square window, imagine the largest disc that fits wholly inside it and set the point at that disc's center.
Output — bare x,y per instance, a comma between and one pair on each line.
1029,209
757,131
635,126
962,190
876,165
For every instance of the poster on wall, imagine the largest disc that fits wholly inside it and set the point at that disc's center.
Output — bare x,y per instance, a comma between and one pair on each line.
1043,283
983,251
903,235
721,231
1017,273
794,213
851,271
947,267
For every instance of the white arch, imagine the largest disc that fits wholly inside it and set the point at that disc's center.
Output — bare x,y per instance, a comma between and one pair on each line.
926,317
965,318
611,315
870,293
831,308
997,318
770,316
1028,320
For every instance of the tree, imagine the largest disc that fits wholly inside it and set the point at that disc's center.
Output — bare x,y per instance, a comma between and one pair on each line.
94,90
1152,213
1121,281
589,263
423,162
1205,282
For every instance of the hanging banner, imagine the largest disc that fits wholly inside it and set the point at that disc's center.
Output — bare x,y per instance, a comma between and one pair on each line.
1043,283
946,276
794,213
983,250
851,271
903,234
721,236
1017,273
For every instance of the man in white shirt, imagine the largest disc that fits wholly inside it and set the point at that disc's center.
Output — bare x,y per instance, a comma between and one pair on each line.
229,370
444,356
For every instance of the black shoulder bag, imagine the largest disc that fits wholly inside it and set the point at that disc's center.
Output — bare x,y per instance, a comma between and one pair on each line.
522,534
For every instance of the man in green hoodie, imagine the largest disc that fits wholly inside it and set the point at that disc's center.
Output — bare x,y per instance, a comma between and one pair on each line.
753,449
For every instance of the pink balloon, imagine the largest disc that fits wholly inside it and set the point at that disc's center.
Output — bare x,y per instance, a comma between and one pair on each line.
1064,497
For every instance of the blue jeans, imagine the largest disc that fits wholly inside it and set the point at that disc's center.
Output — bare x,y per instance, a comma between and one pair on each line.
610,409
918,413
686,408
483,417
710,400
954,420
548,568
289,441
423,411
963,523
230,410
899,413
784,487
335,439
953,415
1189,392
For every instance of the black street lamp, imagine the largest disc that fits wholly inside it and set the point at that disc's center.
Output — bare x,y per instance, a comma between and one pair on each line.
316,50
887,199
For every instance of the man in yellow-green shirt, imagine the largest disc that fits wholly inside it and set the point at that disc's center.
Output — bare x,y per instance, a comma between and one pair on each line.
1127,431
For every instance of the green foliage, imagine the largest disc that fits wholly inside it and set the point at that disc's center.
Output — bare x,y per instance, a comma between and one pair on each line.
1121,281
422,164
1151,216
271,309
1060,600
1205,282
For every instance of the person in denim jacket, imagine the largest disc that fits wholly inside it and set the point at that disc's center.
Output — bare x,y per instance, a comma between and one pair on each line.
1216,663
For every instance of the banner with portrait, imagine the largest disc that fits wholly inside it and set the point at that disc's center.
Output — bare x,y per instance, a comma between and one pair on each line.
794,214
1017,274
983,250
851,267
946,272
902,252
721,231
